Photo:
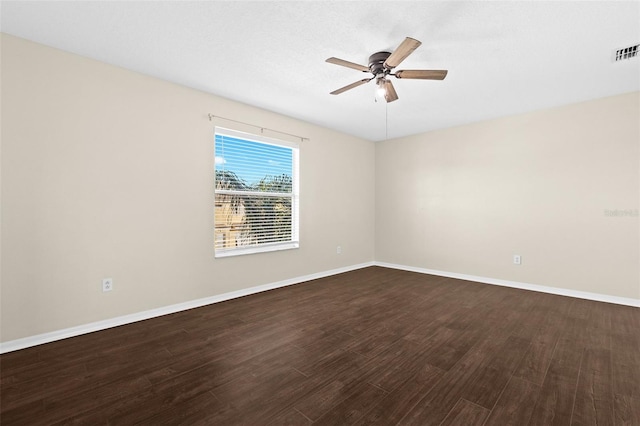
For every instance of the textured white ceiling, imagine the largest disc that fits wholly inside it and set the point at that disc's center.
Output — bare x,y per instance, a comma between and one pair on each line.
503,57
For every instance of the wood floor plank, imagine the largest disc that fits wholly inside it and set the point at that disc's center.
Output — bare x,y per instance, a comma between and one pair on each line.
394,366
332,383
490,381
515,405
370,346
446,346
437,404
260,399
177,389
535,363
594,392
66,405
291,417
378,338
31,413
555,403
625,354
624,320
557,395
20,390
401,400
349,411
627,411
320,401
333,365
466,413
204,408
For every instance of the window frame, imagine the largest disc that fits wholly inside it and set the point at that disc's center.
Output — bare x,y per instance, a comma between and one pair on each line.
294,242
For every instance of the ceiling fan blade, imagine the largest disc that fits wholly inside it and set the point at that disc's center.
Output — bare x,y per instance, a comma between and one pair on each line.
347,64
351,86
390,94
422,74
405,49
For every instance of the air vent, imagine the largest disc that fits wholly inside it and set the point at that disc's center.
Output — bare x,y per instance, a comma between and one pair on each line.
627,53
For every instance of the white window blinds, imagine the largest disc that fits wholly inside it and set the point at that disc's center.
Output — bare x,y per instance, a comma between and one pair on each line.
256,194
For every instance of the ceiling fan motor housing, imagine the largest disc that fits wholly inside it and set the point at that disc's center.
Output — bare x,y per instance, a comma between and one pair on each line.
376,63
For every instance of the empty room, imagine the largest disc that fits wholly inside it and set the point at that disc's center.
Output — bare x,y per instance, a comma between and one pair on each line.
320,213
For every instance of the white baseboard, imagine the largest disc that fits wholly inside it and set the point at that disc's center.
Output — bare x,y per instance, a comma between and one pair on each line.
26,342
524,286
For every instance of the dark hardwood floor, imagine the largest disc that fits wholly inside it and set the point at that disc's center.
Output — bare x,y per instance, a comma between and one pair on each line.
373,346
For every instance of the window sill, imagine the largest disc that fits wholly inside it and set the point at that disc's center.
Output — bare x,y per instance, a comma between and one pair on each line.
253,250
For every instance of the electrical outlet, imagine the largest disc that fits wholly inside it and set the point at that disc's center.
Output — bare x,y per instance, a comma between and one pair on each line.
517,260
107,284
338,250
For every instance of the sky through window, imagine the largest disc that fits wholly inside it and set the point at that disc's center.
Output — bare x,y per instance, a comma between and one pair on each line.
252,161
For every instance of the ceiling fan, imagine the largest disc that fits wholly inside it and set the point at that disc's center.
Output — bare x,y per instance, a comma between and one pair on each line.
381,65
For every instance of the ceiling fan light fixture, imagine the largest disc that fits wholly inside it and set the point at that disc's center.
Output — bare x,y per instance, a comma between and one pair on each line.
381,88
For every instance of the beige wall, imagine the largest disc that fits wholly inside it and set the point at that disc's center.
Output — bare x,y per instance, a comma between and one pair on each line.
465,199
109,173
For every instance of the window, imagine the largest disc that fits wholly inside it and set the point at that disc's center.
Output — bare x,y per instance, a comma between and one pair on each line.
256,194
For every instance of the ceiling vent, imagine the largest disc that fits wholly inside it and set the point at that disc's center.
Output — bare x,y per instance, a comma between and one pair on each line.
627,53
